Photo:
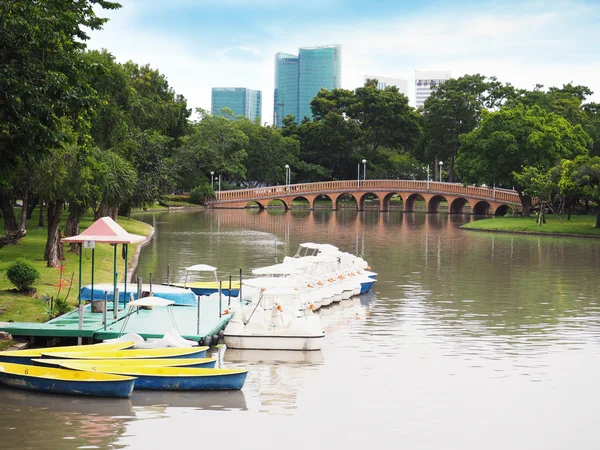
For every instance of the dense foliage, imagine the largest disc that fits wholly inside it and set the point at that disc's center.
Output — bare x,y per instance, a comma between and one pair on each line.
81,130
22,274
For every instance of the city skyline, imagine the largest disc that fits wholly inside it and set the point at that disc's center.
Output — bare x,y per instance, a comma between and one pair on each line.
298,79
241,101
233,42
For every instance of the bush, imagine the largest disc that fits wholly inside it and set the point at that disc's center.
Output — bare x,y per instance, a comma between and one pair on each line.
200,194
178,198
22,274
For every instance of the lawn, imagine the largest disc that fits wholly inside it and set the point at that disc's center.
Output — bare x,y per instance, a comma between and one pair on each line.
21,307
578,225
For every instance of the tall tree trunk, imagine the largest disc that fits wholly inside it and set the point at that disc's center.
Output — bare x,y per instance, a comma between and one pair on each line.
54,247
526,203
10,221
32,204
41,218
72,226
114,212
24,210
102,211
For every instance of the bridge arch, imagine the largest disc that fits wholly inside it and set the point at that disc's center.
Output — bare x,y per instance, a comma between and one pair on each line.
433,205
501,210
325,201
481,208
255,204
344,195
388,201
274,203
409,203
458,206
368,196
301,203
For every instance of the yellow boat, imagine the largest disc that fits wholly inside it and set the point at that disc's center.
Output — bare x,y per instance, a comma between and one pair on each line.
147,362
142,353
174,378
25,356
63,381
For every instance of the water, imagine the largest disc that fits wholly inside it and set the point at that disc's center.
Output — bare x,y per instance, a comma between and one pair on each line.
470,340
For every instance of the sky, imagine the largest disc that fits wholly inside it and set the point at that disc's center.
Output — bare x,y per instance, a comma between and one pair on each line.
201,44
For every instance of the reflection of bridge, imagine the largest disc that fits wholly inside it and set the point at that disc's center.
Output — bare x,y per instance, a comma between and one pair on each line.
481,200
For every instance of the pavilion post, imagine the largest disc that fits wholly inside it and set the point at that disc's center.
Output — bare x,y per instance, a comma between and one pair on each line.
93,250
126,273
79,337
115,293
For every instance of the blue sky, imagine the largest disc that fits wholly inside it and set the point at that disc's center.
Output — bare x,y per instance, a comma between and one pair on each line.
200,44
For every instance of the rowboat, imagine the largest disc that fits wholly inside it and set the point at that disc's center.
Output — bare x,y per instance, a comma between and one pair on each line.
206,363
143,353
25,356
62,381
174,378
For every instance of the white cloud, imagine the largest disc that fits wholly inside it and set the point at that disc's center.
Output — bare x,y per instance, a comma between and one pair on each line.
539,44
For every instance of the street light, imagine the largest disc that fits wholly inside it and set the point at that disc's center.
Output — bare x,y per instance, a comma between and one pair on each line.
364,161
288,177
219,182
441,163
212,180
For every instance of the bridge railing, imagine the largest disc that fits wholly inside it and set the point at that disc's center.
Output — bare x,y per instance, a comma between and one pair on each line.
323,187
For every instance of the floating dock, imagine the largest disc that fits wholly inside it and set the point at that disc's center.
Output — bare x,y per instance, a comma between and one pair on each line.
148,323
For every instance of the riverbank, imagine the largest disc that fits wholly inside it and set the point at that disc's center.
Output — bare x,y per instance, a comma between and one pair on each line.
579,226
20,307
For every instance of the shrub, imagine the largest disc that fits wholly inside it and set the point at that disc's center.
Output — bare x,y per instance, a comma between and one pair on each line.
200,194
22,274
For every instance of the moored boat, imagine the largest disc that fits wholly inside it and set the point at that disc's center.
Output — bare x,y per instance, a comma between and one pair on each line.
145,353
175,378
63,381
25,356
207,287
206,363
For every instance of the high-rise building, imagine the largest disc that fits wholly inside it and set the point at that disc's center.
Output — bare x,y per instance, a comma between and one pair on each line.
298,79
241,101
425,81
383,82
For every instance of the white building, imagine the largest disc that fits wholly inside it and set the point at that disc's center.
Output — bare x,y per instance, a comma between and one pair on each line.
383,82
425,81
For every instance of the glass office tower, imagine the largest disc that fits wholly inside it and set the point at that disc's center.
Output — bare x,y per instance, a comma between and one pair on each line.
298,79
241,101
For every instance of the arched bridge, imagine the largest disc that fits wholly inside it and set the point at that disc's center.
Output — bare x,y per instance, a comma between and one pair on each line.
378,194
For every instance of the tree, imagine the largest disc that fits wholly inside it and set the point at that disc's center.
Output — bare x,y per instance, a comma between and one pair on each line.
510,139
40,79
454,108
582,175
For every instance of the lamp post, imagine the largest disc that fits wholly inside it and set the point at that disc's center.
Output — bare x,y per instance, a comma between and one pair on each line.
212,180
219,182
364,161
441,163
427,176
288,176
358,175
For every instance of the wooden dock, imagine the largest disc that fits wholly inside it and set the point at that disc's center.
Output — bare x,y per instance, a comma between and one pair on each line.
147,323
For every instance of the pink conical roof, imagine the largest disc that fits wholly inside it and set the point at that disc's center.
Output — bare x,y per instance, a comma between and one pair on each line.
108,231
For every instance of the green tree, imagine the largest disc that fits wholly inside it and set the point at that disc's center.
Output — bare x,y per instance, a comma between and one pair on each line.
510,139
454,108
582,175
40,79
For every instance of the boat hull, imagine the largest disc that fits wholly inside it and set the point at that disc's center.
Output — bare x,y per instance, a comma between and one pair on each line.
25,356
19,377
366,286
273,342
198,363
137,354
176,378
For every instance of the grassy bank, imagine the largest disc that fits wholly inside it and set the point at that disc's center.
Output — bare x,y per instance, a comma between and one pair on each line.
578,225
21,307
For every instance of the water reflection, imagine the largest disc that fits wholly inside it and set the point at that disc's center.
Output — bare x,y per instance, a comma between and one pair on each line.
495,331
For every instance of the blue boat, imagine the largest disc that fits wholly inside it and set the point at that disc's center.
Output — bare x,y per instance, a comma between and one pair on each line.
63,381
175,378
366,286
